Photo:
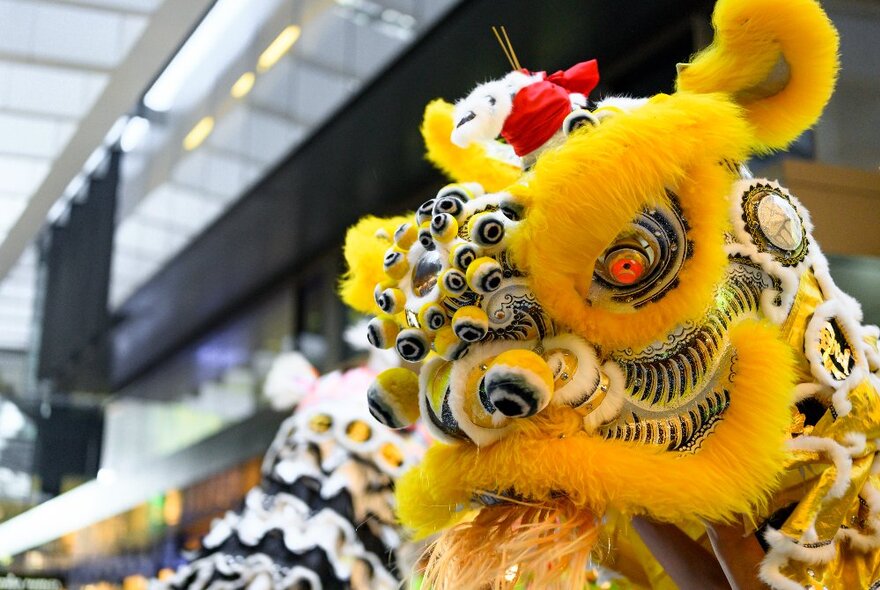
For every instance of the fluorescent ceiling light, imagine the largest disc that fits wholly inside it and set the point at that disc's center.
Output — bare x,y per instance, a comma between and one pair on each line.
116,131
96,159
277,48
243,85
134,133
211,31
199,133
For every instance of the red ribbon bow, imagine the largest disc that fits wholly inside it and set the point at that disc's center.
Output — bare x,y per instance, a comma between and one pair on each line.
540,108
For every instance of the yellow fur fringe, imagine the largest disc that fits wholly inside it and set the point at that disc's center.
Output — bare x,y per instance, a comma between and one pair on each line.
750,37
600,179
731,474
547,545
364,250
470,164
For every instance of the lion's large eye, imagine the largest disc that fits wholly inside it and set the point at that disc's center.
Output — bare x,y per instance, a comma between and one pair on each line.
627,262
643,261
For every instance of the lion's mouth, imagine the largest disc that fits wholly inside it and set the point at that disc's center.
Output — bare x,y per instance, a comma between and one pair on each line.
488,499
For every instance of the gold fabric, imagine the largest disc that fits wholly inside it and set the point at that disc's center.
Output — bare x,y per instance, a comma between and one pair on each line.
808,297
806,482
848,570
810,478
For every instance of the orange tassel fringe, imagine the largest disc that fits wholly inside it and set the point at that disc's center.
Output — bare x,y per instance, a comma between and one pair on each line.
546,545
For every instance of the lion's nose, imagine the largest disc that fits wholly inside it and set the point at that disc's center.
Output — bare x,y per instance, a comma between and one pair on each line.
519,383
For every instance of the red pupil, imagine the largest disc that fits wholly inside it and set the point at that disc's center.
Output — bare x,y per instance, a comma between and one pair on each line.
626,270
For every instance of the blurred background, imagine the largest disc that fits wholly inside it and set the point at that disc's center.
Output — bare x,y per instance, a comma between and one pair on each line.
175,182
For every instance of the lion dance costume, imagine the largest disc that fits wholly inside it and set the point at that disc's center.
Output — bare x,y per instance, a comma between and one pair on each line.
322,517
615,318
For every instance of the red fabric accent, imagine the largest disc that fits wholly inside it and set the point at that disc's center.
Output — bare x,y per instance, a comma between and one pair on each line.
538,112
540,108
581,77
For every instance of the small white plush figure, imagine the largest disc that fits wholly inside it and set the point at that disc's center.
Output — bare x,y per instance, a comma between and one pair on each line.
480,116
525,108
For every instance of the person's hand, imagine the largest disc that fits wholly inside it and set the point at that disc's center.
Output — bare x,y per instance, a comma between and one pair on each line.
738,553
733,565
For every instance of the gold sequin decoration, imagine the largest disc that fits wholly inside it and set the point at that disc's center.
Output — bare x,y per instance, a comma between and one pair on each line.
837,356
320,423
563,364
358,431
598,396
787,222
807,299
391,454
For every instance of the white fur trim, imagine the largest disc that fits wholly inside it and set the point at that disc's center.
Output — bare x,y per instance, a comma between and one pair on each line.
836,310
782,545
771,573
872,353
577,100
607,106
614,399
585,378
836,453
804,390
871,541
830,289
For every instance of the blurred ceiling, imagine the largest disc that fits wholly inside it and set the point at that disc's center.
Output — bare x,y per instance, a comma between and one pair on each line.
252,81
256,105
62,66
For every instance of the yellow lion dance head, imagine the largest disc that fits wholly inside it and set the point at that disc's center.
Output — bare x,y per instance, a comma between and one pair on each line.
623,319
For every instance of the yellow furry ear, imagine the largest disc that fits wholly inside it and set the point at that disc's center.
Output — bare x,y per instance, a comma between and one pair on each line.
775,58
471,164
364,250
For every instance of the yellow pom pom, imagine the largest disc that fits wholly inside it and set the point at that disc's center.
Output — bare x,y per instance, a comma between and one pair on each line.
485,275
453,283
451,200
463,192
462,255
425,212
382,332
519,383
432,317
511,208
391,300
448,345
412,345
470,323
487,229
425,237
405,236
444,227
395,263
394,398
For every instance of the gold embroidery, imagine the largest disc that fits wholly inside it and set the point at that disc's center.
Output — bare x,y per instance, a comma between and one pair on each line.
837,356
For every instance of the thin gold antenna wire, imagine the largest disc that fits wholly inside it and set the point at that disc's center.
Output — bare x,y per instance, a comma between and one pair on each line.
504,48
510,47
